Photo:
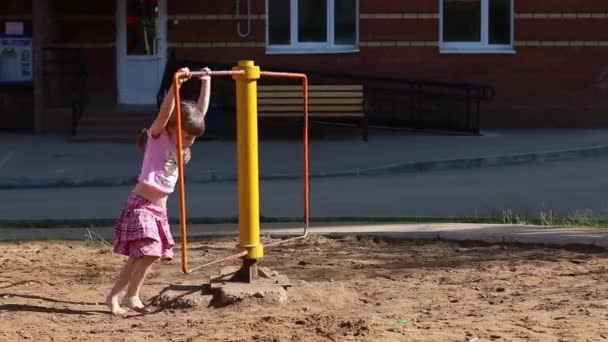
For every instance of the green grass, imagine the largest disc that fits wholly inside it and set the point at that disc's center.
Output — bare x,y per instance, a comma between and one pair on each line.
94,240
579,218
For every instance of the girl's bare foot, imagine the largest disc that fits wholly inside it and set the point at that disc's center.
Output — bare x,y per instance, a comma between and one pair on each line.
135,304
114,306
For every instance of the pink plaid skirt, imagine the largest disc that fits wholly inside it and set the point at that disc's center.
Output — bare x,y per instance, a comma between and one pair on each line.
143,230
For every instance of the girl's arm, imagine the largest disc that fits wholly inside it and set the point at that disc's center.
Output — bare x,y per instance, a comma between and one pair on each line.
203,99
168,105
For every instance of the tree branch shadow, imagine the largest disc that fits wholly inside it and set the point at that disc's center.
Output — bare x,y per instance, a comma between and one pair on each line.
52,300
19,284
42,309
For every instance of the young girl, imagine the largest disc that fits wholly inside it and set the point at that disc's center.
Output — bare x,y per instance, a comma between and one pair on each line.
142,232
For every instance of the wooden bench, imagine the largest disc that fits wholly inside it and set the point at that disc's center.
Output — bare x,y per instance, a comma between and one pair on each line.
325,101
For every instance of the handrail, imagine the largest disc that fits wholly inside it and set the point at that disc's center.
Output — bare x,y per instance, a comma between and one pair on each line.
250,109
487,92
419,91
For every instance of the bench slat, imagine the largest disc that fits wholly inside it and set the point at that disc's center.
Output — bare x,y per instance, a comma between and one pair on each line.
353,87
286,94
326,101
313,101
344,108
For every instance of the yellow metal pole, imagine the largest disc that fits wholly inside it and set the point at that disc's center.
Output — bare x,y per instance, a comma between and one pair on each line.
247,142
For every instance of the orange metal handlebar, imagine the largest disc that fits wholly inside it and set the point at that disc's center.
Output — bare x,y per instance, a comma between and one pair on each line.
306,161
180,157
180,160
217,73
180,168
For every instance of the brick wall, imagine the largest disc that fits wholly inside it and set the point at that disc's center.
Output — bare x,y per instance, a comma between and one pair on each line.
92,25
14,10
557,78
16,106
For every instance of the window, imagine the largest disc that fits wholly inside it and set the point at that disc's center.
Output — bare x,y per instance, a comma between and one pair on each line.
312,26
476,26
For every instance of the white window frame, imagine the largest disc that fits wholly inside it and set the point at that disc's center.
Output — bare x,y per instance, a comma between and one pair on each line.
296,47
483,46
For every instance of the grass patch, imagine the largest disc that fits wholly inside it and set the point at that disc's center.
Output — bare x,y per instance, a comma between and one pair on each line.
548,218
94,240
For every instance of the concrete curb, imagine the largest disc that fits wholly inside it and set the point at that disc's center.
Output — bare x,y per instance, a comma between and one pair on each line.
396,168
535,239
550,236
486,237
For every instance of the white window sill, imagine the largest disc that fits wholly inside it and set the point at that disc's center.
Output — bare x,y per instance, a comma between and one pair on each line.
486,51
274,50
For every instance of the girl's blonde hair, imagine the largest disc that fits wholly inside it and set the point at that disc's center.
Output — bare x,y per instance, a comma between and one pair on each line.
193,123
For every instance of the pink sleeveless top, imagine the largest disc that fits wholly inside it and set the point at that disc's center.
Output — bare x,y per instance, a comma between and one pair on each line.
159,167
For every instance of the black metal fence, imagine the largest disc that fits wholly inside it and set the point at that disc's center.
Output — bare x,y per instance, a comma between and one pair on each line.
400,102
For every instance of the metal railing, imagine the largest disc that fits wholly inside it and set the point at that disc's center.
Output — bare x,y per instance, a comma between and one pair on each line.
400,102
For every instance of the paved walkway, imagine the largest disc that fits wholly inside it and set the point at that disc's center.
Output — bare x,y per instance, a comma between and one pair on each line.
491,233
34,162
574,188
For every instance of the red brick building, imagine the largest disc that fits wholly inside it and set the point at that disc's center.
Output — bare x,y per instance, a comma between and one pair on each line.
547,60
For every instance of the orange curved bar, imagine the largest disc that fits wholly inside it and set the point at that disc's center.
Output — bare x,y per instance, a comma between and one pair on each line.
306,160
217,73
180,161
180,164
282,74
230,257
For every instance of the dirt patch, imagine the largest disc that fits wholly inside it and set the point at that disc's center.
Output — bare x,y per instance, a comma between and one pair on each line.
348,289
